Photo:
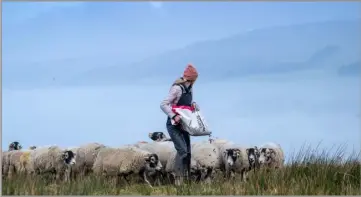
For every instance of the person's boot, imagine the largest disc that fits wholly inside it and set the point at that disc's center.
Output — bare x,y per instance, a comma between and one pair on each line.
189,167
178,180
185,169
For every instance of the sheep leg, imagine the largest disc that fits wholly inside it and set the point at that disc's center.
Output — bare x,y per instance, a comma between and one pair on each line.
198,177
58,176
118,179
208,178
11,171
244,175
126,179
67,175
171,178
228,174
157,178
144,177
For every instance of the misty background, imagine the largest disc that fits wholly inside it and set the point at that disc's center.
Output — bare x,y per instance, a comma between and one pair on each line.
79,72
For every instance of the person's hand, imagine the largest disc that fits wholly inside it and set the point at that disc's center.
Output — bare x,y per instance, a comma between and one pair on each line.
176,119
196,107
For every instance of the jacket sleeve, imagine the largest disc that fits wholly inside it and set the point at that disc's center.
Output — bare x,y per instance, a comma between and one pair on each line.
173,96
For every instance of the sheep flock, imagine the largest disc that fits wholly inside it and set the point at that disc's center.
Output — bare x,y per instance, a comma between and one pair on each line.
154,162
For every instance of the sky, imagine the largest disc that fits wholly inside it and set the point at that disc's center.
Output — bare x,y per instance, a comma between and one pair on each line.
285,109
129,31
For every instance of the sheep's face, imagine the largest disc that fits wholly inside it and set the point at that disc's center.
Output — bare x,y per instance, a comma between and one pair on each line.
157,136
253,155
69,157
32,147
232,155
152,161
15,146
266,155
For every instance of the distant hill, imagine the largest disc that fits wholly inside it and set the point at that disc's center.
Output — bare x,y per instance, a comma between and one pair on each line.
353,69
327,46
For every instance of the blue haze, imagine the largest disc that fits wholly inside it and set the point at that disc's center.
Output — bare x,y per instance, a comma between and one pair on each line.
80,72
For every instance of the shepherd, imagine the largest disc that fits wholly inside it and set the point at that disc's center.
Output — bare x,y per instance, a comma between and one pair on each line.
180,94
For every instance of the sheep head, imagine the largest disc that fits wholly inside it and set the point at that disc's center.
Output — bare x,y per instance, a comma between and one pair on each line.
68,157
266,155
152,161
15,146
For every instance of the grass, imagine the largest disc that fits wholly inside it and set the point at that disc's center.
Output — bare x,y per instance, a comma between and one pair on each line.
305,174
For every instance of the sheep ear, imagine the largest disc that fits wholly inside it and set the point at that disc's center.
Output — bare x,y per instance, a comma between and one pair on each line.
146,158
228,149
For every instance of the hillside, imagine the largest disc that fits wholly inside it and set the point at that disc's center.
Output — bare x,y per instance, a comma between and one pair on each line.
327,46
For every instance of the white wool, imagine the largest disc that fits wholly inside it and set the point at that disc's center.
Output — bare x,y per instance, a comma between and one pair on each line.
163,149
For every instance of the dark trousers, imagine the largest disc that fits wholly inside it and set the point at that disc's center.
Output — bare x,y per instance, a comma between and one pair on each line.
182,144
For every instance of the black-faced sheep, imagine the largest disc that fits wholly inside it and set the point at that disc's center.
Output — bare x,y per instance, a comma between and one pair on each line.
271,155
52,159
122,162
158,136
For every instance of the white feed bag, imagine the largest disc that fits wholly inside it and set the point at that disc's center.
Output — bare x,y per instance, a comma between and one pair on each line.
192,120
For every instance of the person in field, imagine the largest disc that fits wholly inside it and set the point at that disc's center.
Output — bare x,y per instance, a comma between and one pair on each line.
180,94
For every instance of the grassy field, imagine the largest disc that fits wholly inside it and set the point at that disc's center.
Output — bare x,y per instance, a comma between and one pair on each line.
311,175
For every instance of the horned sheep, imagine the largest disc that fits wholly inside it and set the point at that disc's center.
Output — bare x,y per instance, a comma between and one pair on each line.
271,155
6,155
121,162
52,159
162,148
174,170
208,157
236,158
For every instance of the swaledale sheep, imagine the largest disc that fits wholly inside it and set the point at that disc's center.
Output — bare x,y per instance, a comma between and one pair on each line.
221,144
162,149
52,159
271,155
235,161
121,162
18,162
238,159
85,158
6,157
208,157
174,170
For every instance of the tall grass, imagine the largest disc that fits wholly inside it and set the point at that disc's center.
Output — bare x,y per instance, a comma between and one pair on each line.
309,172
